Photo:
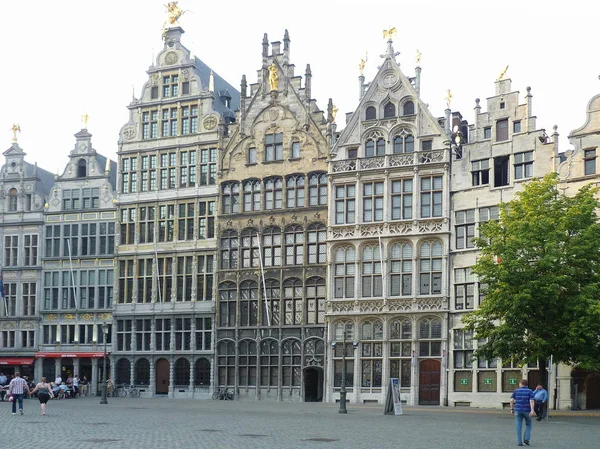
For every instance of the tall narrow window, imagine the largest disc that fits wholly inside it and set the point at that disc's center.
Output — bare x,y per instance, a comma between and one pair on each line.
402,199
480,172
370,113
271,247
344,272
81,168
501,174
317,189
315,300
589,160
292,301
248,303
295,191
431,197
208,166
371,272
251,195
295,154
250,252
227,304
409,108
465,228
464,289
371,354
401,351
389,110
316,246
401,269
271,303
524,165
273,194
502,130
294,245
247,363
430,268
251,155
372,201
226,363
345,204
229,250
12,200
231,197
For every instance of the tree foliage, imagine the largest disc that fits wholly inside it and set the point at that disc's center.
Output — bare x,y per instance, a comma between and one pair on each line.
541,264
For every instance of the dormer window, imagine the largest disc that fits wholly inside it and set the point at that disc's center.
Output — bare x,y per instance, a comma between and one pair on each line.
81,168
409,108
370,113
389,110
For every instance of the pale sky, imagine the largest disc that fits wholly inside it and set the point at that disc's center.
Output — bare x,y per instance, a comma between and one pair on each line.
62,59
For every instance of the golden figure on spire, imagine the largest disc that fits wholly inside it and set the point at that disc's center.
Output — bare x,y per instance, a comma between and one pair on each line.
334,111
174,12
361,64
501,76
273,76
418,58
15,128
448,99
84,119
387,34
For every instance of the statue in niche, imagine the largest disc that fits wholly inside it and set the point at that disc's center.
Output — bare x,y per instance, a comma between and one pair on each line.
273,77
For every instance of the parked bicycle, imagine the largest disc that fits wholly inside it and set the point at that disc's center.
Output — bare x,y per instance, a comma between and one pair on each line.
125,390
224,394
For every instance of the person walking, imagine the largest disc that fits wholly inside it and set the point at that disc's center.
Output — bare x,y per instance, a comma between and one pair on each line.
540,396
44,391
75,386
3,388
85,383
522,406
17,388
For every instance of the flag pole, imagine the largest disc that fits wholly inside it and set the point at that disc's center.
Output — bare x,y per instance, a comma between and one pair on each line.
262,272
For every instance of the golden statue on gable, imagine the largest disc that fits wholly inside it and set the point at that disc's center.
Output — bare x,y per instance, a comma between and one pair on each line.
174,12
448,99
15,128
387,34
273,76
501,76
361,64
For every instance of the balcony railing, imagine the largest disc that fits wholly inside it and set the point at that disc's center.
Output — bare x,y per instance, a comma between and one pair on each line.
390,161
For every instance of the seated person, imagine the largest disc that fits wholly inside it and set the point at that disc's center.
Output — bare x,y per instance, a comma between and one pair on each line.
55,389
63,391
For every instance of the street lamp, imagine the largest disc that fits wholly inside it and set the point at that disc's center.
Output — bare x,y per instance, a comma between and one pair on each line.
104,334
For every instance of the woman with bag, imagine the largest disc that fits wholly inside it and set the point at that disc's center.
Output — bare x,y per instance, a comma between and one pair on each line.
44,391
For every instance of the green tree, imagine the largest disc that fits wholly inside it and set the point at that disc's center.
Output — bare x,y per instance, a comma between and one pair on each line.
541,264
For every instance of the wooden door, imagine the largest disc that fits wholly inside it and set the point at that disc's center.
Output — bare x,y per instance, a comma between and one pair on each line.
162,376
429,382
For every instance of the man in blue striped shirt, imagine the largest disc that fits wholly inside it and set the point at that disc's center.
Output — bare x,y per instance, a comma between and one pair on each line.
17,388
522,406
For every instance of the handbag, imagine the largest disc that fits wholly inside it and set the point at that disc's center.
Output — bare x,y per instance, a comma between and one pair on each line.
10,398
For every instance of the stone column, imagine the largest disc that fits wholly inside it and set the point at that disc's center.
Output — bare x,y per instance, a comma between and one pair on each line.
94,379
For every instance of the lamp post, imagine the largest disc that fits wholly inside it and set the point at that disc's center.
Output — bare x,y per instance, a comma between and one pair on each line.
104,334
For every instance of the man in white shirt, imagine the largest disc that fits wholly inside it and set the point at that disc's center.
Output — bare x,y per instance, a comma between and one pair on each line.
58,380
75,386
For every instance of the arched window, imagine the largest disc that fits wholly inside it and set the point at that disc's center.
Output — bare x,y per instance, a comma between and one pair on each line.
271,300
250,252
315,300
294,191
409,108
316,246
375,147
271,247
227,303
251,195
401,269
317,189
292,297
430,268
314,350
389,110
294,245
429,330
82,168
345,270
12,200
273,194
247,363
269,363
123,374
249,303
225,363
344,332
371,272
142,372
291,363
370,113
231,197
182,372
229,250
202,373
401,351
371,354
404,144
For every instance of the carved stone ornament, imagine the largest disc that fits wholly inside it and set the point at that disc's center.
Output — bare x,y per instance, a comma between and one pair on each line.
129,132
171,58
210,122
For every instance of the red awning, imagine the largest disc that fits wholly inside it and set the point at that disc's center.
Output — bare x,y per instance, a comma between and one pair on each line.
70,355
16,361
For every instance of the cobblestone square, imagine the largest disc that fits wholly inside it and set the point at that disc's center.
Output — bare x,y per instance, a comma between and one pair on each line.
186,424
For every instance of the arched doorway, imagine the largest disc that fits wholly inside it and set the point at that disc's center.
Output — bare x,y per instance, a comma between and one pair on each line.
313,384
429,382
162,376
123,374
